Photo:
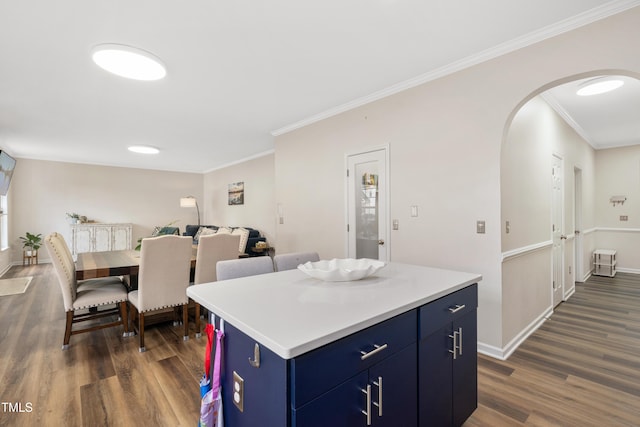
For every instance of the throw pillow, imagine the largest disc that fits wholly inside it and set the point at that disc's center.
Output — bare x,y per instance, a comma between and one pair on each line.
244,237
207,230
224,230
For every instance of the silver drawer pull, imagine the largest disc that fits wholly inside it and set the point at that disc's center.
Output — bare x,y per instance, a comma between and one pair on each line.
379,403
367,412
457,308
377,349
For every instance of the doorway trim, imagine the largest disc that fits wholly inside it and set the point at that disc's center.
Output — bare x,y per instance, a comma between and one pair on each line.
385,148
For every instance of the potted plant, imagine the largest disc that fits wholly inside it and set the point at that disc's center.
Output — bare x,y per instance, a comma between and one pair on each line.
31,243
73,218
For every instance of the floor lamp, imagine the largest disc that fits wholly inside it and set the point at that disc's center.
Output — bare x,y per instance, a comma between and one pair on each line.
190,202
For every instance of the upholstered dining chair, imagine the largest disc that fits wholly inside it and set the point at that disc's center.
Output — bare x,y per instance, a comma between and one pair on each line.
291,260
163,278
243,267
211,249
82,299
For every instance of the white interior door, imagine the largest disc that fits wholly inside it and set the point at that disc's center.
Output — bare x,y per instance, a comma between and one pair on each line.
367,205
558,237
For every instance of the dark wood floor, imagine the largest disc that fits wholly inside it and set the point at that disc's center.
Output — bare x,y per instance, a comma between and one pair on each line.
581,368
101,379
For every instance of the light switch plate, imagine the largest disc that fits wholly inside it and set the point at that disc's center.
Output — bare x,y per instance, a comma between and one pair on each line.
480,227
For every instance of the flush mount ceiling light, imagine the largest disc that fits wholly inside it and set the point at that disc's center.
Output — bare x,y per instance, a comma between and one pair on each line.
129,62
599,85
143,149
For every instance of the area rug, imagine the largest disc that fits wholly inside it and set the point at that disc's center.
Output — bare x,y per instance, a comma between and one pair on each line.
17,285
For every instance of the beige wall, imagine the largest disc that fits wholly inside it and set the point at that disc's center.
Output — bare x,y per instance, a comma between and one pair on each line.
43,192
618,173
445,139
536,134
258,210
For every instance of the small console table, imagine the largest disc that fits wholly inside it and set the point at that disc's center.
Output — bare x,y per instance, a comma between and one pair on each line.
604,262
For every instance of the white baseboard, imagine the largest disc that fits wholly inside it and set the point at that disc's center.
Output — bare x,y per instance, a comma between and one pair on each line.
5,270
628,270
505,352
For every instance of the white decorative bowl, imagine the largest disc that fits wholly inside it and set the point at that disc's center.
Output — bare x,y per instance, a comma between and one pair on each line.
341,270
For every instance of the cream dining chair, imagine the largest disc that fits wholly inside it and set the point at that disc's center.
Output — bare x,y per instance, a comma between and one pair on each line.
291,260
211,249
82,299
163,278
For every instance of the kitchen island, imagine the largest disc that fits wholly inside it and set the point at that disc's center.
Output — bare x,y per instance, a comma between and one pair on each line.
302,352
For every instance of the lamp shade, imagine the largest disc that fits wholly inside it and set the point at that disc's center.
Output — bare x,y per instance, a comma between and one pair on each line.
188,202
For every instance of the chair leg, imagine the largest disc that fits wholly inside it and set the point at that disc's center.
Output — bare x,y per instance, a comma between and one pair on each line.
67,330
198,334
176,322
124,316
141,332
185,321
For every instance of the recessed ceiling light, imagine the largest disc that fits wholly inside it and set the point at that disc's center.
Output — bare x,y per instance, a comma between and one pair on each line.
598,86
129,62
143,149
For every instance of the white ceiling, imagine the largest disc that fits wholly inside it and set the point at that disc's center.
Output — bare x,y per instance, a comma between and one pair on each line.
241,71
607,120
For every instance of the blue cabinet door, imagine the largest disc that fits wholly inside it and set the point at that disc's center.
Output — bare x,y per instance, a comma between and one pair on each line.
465,370
448,387
395,383
265,397
435,388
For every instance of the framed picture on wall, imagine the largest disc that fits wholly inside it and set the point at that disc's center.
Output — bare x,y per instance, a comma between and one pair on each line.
236,193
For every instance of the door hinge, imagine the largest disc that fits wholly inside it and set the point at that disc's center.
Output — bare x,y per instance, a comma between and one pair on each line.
347,173
347,228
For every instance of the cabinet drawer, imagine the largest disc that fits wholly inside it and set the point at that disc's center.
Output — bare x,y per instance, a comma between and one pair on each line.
319,370
438,313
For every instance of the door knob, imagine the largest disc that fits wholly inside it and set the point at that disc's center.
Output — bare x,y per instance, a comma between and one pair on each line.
563,237
381,242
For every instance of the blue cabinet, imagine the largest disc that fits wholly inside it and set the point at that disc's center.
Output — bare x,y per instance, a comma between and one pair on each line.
447,359
398,373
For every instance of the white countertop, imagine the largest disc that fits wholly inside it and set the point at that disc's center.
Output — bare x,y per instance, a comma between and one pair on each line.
291,313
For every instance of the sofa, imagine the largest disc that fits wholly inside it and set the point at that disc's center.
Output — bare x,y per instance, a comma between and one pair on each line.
254,237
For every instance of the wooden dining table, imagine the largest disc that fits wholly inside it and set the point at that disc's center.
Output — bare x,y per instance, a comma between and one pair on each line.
91,265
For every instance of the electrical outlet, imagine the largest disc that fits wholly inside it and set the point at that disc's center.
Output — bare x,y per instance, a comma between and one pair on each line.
238,391
624,218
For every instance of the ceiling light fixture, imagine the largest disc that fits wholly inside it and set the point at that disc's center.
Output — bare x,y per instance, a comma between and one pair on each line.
128,61
143,149
598,85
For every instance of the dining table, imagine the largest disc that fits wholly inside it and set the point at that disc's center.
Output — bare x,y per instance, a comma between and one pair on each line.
91,265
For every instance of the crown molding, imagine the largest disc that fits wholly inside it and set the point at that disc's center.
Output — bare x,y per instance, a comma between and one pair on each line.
577,21
555,105
244,159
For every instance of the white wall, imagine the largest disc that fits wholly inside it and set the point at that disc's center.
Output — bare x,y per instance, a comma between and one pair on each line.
618,173
258,210
43,192
445,140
